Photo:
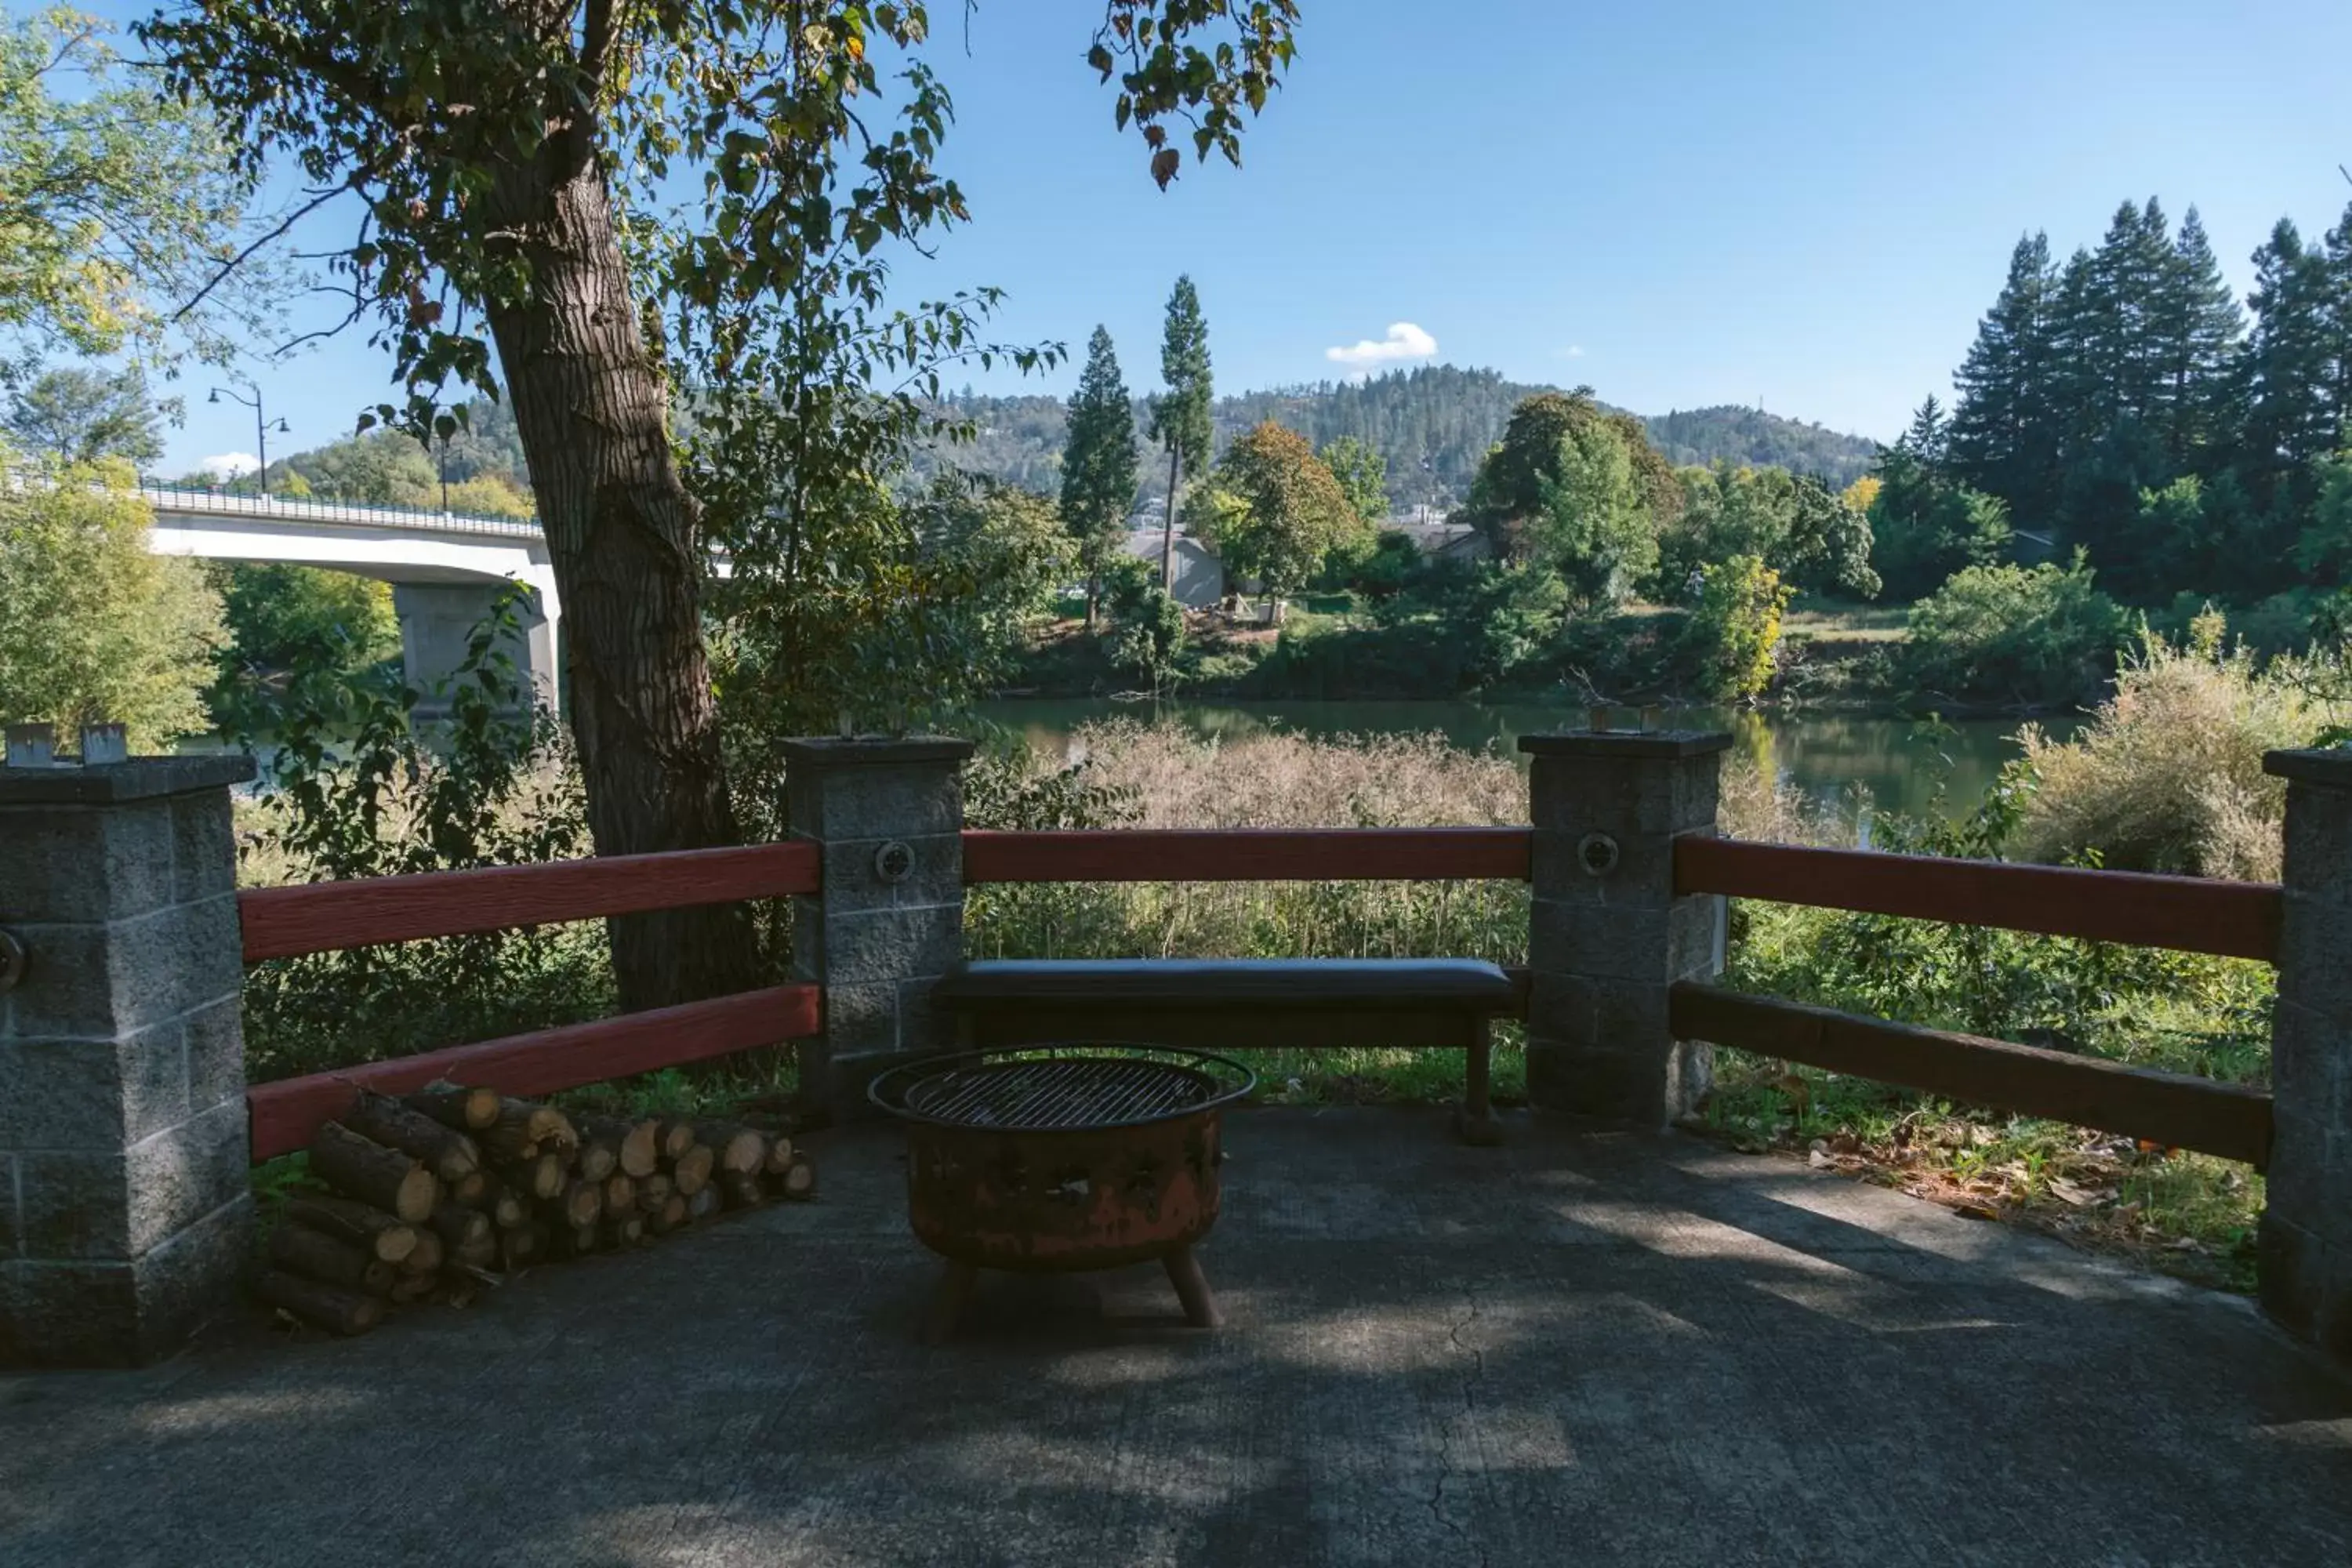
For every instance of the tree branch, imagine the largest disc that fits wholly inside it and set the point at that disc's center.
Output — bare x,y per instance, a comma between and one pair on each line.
221,274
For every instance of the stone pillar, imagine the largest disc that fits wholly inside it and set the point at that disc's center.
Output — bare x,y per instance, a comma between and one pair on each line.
1607,937
125,1215
889,919
2304,1256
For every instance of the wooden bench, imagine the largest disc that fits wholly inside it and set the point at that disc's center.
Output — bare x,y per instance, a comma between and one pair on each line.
1242,1003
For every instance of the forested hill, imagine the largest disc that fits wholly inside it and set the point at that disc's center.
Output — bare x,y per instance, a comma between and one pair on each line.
1444,414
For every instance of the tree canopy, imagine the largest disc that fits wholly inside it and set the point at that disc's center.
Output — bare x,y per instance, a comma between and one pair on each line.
608,200
81,413
119,207
1291,513
93,626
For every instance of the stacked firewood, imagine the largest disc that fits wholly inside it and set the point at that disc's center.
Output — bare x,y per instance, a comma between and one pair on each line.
440,1193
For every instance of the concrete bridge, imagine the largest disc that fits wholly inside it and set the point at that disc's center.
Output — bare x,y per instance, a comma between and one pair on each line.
445,570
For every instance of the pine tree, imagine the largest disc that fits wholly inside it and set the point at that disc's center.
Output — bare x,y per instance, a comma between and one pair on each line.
1098,467
2291,416
1180,416
1928,439
2003,437
2339,323
2198,325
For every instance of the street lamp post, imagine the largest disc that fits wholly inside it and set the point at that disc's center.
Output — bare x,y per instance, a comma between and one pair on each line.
261,428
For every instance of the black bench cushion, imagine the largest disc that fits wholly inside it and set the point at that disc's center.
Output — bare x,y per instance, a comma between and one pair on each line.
1465,984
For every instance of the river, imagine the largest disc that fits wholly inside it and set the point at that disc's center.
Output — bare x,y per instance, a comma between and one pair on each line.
1901,766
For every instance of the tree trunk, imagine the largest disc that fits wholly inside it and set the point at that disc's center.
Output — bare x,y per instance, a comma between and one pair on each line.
592,411
1168,533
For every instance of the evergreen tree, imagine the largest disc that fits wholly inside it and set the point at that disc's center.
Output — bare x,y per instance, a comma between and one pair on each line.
1179,415
1098,467
2290,417
2197,326
1928,440
2339,322
2004,438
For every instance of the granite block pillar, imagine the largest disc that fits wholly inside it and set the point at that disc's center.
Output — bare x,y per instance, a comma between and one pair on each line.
1608,937
2304,1259
888,920
125,1214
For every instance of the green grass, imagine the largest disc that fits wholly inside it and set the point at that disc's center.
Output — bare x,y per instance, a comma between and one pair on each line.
2189,1215
1815,619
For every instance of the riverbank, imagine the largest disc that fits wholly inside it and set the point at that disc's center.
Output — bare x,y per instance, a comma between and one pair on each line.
1832,657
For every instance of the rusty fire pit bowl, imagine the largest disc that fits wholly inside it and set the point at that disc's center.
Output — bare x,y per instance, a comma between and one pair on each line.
1063,1158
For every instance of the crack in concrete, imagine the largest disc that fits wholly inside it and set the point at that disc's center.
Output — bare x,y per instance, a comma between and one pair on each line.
1469,1413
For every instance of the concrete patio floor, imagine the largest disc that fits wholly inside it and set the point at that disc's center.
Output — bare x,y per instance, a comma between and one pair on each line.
1583,1348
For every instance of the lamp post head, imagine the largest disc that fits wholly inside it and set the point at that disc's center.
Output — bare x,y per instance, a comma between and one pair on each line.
215,397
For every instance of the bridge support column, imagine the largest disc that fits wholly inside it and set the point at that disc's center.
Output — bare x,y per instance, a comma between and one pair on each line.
2305,1250
1608,937
125,1213
888,921
437,620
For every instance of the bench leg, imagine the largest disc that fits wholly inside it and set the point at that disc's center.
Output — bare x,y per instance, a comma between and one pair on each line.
1474,1124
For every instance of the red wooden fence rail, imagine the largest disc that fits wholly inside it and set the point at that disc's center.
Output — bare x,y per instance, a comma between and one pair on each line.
2194,914
1250,855
323,916
2168,1107
287,1114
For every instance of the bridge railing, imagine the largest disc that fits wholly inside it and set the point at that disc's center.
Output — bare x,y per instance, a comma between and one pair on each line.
230,503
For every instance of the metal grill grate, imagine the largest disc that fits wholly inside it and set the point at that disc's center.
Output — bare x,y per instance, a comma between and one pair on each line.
1067,1092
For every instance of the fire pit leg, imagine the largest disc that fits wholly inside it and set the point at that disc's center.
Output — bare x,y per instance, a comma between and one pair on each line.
1193,1288
954,1294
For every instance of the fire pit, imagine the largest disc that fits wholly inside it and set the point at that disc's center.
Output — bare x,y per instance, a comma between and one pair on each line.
1054,1159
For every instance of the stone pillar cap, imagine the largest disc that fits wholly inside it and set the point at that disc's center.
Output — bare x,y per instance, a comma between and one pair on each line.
852,751
139,778
2332,766
1627,743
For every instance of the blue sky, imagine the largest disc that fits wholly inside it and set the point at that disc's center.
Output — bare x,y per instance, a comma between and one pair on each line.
1805,203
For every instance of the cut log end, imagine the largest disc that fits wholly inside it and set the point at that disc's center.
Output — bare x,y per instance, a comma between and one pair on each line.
463,1110
739,1149
799,1183
691,1172
362,1168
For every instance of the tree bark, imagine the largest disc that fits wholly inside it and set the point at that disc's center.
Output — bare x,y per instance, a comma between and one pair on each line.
314,1255
1168,533
622,536
449,1154
460,1110
366,1170
343,1312
346,1220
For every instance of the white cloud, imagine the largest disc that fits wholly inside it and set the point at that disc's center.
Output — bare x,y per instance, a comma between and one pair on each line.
229,464
1404,341
1573,351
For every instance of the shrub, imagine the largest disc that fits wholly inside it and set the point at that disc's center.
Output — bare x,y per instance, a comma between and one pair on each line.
1733,633
2169,775
2041,637
354,789
92,624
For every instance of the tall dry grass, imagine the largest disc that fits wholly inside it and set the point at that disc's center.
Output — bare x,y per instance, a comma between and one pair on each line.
2168,774
1167,777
